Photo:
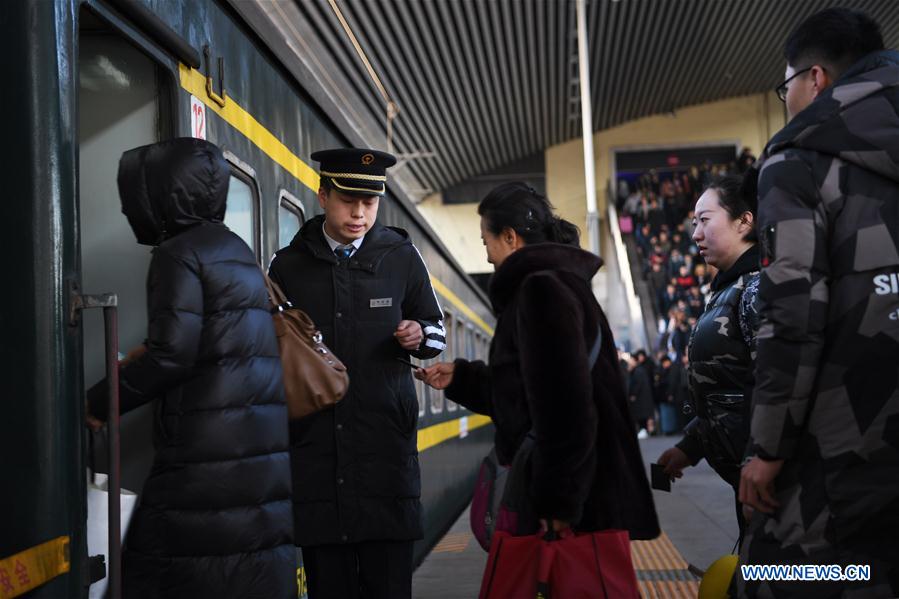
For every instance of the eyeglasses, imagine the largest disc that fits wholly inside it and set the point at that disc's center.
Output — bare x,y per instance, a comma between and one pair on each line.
781,90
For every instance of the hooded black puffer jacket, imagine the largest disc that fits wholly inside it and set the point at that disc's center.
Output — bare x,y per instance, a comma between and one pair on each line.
215,514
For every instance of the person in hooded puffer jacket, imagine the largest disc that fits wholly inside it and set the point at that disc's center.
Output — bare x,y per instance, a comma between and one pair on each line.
215,516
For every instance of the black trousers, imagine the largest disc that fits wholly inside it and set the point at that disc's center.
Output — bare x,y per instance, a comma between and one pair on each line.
369,570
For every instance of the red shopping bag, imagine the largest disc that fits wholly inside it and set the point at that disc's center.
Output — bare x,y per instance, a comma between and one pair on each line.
595,565
578,566
511,571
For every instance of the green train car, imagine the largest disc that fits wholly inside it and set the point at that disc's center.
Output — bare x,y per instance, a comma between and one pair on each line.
83,81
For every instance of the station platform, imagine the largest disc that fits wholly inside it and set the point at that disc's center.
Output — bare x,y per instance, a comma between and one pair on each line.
698,526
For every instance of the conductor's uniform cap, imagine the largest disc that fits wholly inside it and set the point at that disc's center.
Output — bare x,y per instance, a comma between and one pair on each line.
355,170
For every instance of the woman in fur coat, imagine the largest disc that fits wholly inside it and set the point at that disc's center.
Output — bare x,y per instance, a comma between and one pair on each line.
585,471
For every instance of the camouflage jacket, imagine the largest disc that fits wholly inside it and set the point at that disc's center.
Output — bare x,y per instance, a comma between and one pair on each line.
827,370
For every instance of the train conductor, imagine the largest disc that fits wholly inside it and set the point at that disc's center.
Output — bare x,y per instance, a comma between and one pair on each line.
355,468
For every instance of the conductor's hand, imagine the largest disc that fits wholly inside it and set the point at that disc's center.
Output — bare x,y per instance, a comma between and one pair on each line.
408,334
674,460
438,376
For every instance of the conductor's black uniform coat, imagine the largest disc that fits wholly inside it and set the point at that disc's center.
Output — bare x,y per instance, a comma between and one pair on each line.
355,467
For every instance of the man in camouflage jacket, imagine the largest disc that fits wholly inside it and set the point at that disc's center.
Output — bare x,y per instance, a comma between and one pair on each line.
823,465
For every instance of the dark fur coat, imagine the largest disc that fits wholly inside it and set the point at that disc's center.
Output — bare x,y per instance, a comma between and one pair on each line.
586,466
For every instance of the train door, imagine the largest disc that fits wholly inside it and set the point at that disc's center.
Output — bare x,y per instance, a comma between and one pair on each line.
118,109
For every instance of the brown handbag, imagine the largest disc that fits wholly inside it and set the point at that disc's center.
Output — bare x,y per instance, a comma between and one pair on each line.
314,378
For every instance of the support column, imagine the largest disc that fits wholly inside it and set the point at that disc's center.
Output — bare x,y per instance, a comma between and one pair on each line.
587,127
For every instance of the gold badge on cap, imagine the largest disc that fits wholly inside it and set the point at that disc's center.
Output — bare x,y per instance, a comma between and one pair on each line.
367,159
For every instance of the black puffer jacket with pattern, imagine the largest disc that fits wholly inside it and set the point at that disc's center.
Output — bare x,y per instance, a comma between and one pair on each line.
722,359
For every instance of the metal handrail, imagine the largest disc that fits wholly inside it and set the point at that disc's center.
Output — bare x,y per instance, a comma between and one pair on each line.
109,302
635,311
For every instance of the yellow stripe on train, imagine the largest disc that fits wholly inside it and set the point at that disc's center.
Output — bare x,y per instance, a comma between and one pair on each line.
455,300
444,431
195,82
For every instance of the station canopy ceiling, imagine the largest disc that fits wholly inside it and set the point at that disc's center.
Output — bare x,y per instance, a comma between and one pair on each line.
483,83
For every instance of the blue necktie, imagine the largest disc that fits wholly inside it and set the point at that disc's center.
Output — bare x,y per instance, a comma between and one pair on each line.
343,251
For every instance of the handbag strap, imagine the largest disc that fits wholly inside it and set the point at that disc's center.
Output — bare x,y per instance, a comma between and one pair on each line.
602,579
275,295
597,345
592,358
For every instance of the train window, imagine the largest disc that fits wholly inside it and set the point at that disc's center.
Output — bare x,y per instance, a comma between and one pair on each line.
449,354
239,216
448,324
420,394
459,339
469,342
435,396
242,214
426,392
291,217
482,346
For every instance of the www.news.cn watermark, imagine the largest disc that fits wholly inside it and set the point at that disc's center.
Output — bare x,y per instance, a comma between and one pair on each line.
830,572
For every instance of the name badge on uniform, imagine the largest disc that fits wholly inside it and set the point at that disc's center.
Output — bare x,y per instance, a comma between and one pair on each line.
381,302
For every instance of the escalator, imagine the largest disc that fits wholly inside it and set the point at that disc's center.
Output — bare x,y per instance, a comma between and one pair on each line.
644,291
622,289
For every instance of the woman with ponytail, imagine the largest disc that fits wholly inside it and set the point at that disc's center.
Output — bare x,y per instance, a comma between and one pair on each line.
541,382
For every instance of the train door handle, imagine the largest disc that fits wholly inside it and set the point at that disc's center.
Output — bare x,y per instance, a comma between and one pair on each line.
109,303
218,99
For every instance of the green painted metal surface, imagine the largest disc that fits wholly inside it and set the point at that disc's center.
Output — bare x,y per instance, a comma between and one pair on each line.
40,437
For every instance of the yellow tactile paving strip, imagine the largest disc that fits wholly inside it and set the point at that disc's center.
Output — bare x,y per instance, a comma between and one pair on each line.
661,571
455,542
658,554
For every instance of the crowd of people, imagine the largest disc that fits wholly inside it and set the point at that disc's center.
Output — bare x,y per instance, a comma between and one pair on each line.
659,213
